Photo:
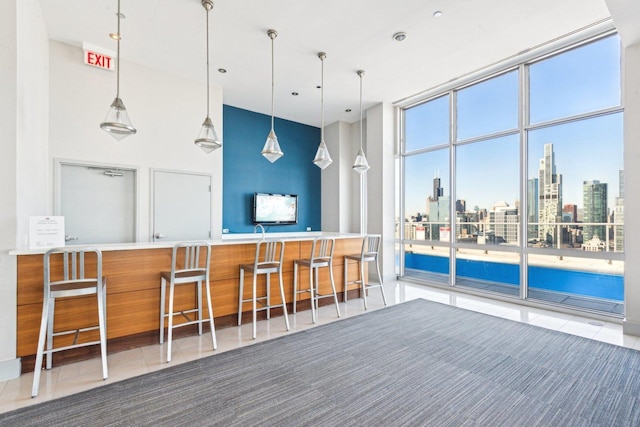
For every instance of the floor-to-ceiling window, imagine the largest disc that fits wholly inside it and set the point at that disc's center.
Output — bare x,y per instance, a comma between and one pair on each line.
512,183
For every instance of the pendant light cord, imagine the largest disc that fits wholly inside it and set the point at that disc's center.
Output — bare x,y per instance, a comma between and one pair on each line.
207,9
272,36
360,73
118,66
322,56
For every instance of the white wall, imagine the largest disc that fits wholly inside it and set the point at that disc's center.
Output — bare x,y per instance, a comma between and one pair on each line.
336,188
166,110
52,105
632,189
355,177
381,182
8,135
32,163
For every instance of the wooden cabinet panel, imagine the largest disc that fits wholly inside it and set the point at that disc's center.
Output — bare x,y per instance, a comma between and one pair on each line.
133,288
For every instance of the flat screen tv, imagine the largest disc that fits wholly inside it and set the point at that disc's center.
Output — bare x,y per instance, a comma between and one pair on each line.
269,208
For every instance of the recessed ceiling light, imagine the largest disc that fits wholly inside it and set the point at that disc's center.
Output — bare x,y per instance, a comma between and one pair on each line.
295,93
222,70
399,37
437,14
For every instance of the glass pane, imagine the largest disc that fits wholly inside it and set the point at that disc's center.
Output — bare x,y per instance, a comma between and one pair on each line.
593,284
427,125
427,263
580,80
575,188
488,270
427,206
487,176
488,107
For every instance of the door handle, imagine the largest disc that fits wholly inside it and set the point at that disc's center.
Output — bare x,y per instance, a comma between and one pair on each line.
68,238
159,236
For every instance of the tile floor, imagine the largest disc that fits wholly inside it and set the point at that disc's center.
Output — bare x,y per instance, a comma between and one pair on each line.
68,379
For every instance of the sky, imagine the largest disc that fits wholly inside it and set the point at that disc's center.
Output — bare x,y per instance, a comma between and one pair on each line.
574,82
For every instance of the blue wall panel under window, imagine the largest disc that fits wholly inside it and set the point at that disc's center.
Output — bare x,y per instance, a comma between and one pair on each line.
246,171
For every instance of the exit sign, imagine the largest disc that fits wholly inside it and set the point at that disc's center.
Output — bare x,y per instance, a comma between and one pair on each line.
98,57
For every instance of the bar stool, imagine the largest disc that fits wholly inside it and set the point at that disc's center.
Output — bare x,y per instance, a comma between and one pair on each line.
73,281
194,270
369,253
321,256
268,259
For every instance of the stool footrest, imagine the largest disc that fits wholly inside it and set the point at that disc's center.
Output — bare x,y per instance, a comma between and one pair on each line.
318,296
75,331
190,322
69,347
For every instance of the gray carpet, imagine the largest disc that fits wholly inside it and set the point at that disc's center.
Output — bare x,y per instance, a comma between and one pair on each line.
417,363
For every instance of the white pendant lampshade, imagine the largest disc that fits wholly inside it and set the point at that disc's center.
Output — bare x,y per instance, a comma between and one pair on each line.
117,121
208,138
271,150
322,159
361,165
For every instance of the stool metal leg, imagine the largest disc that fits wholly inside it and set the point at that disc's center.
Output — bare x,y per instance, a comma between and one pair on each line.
52,307
313,289
363,284
333,288
284,301
210,308
346,275
253,302
295,285
199,296
40,352
170,324
163,294
384,298
102,326
268,285
241,296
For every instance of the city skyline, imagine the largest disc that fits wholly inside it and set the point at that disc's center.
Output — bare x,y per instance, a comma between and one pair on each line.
564,86
598,156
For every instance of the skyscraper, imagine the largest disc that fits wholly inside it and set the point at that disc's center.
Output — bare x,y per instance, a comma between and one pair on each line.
532,208
618,218
438,210
549,196
437,190
594,200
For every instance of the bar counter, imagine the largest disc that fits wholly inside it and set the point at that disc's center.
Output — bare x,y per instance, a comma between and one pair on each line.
133,285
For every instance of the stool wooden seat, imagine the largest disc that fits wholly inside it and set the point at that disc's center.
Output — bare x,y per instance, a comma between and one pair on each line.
190,264
369,253
73,280
321,256
268,260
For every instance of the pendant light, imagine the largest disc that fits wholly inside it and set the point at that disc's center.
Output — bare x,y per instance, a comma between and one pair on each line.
271,150
322,159
208,138
117,121
360,165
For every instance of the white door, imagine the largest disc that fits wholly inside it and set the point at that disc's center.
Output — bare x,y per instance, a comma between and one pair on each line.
98,204
181,206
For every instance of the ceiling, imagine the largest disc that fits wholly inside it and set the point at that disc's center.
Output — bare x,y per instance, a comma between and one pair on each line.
169,35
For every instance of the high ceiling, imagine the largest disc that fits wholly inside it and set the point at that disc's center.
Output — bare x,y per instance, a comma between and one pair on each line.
169,35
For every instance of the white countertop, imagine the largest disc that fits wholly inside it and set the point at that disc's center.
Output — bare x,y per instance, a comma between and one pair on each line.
227,239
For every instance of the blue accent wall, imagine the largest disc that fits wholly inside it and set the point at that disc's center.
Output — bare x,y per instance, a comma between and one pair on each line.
246,171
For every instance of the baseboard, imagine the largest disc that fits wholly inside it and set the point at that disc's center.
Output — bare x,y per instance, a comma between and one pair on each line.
10,369
630,328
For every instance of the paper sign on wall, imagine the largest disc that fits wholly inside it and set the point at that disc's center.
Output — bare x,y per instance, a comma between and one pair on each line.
46,232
